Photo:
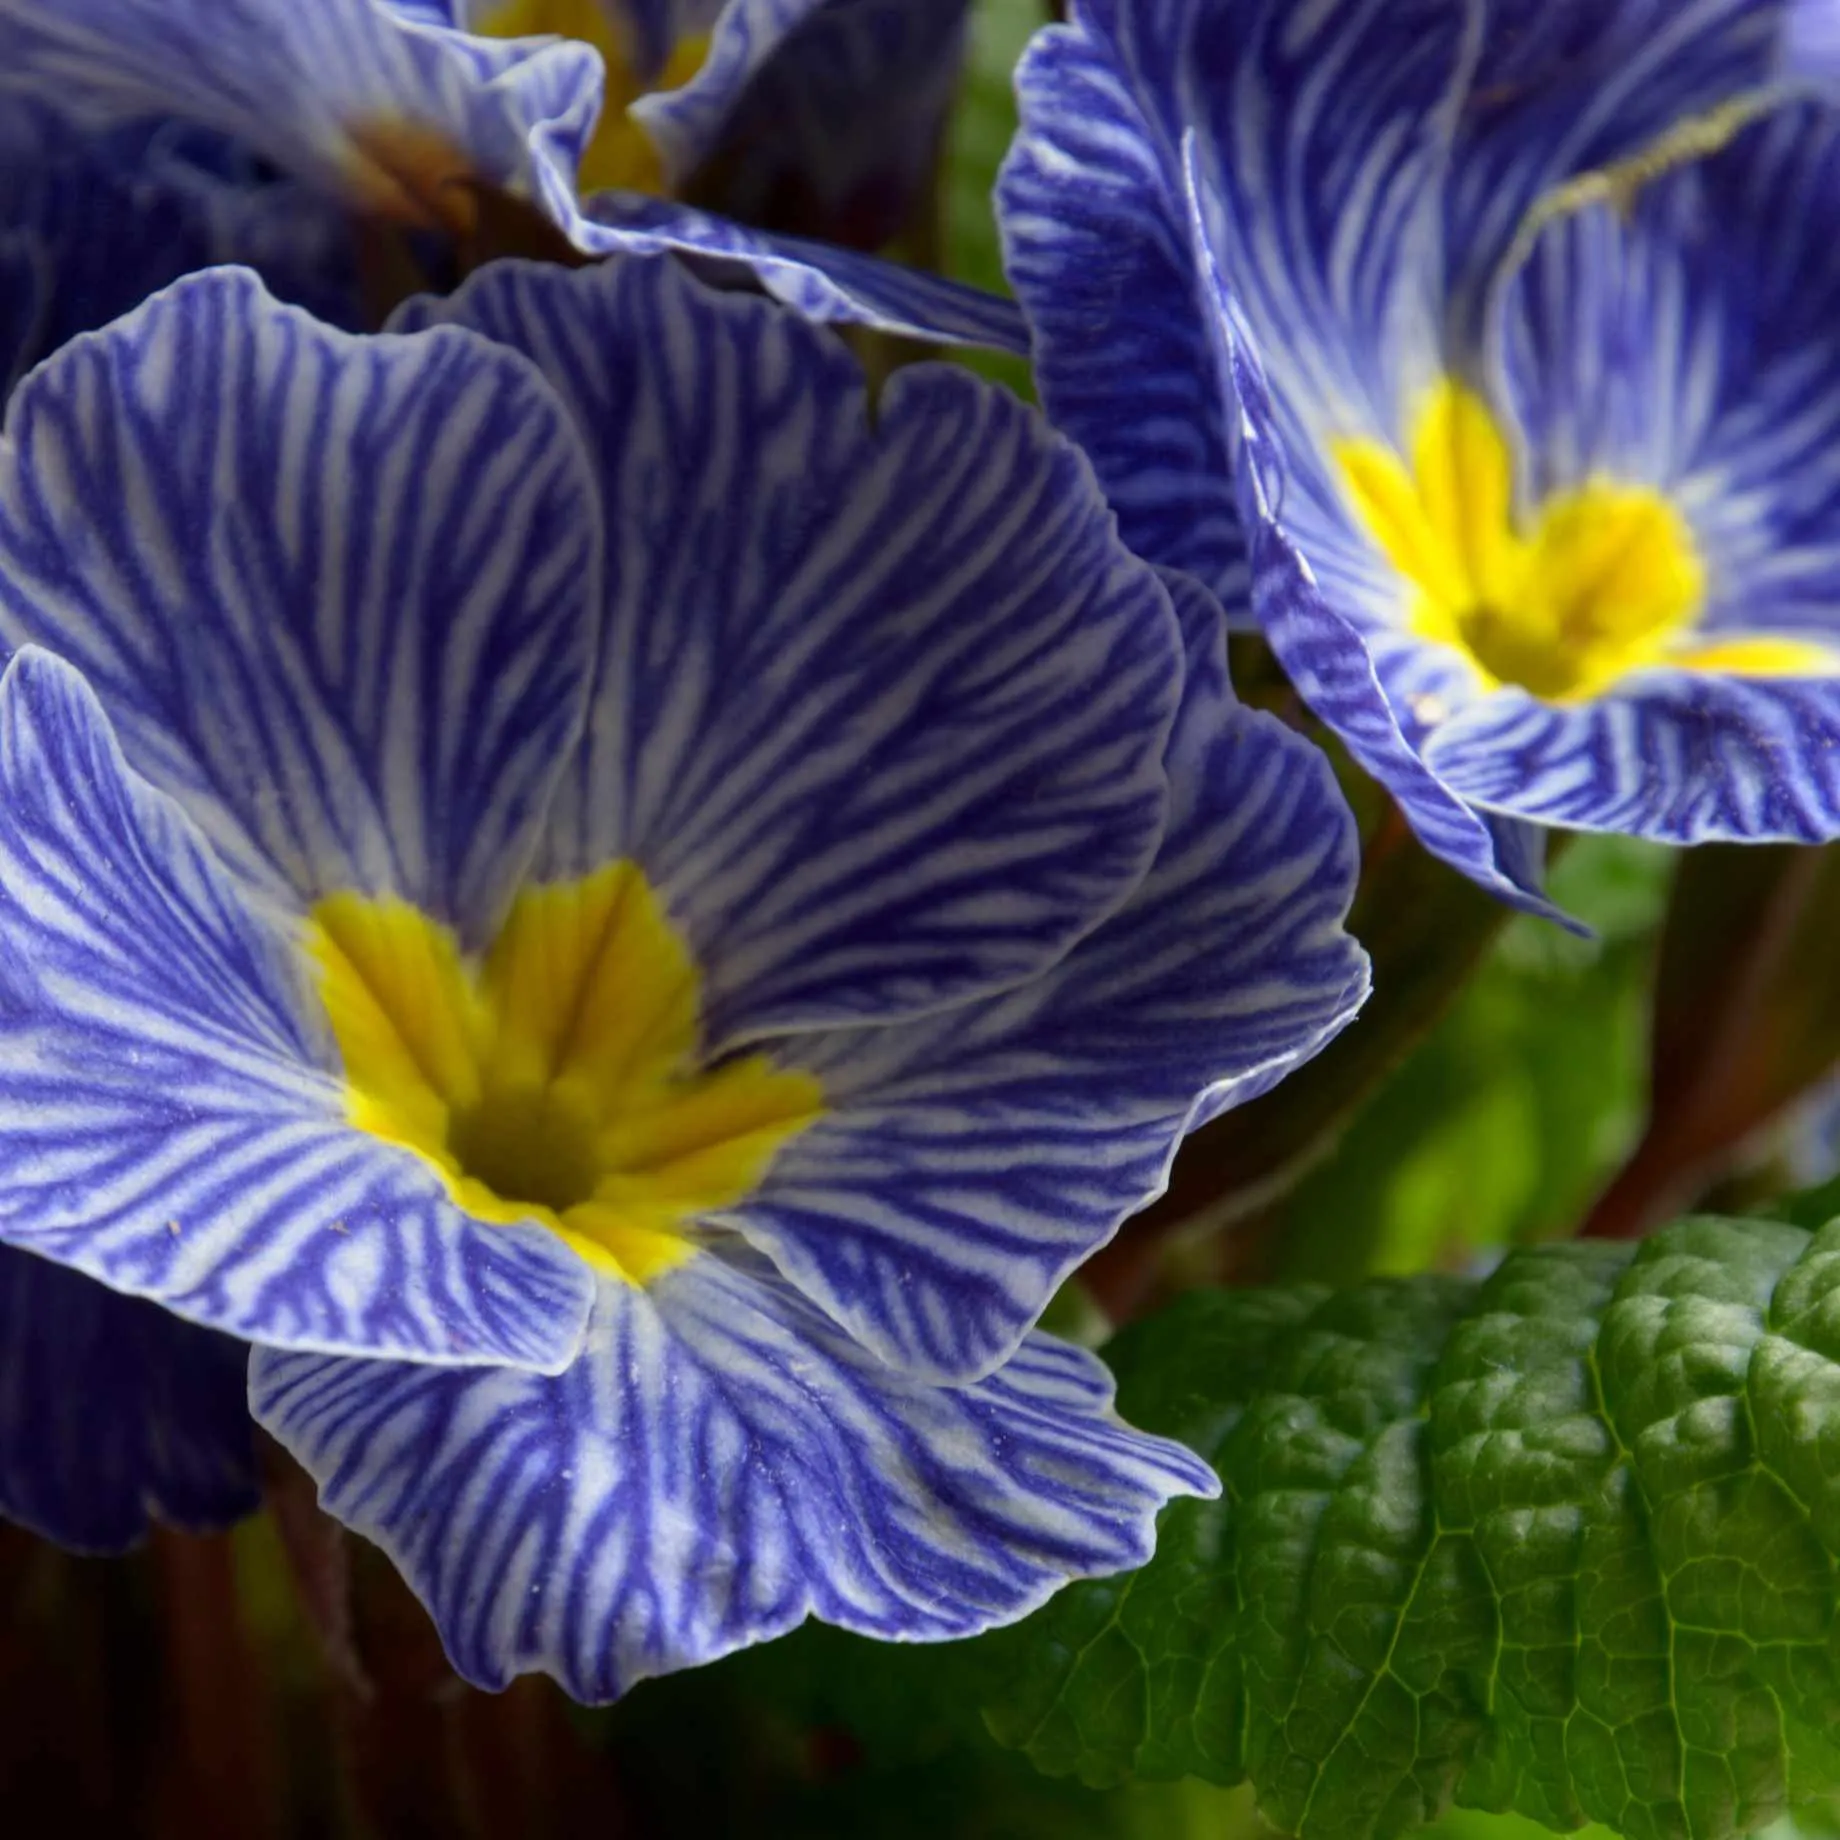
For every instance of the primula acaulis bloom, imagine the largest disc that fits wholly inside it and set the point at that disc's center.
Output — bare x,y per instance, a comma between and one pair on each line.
111,1408
625,926
817,116
93,223
1493,356
821,117
114,1411
407,120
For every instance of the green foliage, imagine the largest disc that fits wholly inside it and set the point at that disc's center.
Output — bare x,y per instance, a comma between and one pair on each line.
1561,1542
1501,1125
979,135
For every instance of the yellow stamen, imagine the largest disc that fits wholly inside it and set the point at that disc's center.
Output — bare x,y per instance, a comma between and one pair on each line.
559,1080
1607,580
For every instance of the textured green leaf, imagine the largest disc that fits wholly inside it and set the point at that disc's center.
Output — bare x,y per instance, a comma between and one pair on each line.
1560,1542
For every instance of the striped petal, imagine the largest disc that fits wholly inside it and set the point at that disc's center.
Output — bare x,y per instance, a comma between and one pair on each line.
168,1124
720,1464
1373,161
1560,88
114,1413
1689,343
381,106
687,123
823,115
334,593
1324,652
1101,263
882,710
1340,184
814,279
326,91
101,221
970,1161
1682,757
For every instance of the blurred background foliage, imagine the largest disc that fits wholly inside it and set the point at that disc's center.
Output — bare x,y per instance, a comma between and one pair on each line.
280,1681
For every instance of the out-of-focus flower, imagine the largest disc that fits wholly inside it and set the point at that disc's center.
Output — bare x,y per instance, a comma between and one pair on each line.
626,927
91,224
1492,356
114,1411
821,117
412,121
817,116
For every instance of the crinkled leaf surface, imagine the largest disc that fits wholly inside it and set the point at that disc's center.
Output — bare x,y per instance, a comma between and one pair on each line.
1560,1541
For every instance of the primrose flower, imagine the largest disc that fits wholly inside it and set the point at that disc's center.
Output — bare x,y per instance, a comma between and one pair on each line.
114,1411
410,121
818,116
111,1408
1493,356
91,224
625,927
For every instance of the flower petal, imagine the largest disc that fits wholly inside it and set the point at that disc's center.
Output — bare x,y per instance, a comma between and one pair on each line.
114,1413
969,1161
687,123
335,593
1689,344
720,1464
816,280
882,709
1560,88
383,107
1678,756
1101,264
821,116
1324,653
104,220
311,87
167,1123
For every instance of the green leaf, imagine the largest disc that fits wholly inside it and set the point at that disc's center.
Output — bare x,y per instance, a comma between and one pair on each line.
977,137
1515,1109
1560,1542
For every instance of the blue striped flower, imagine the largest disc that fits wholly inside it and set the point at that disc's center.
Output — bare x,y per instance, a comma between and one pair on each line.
114,1412
112,1409
405,118
626,927
91,224
1494,359
821,116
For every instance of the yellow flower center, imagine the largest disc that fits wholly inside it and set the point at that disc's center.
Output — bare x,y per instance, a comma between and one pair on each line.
1606,581
621,155
558,1080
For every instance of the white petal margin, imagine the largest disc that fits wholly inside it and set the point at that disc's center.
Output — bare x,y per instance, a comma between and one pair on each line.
335,593
817,280
167,1123
968,1162
720,1464
882,704
305,84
